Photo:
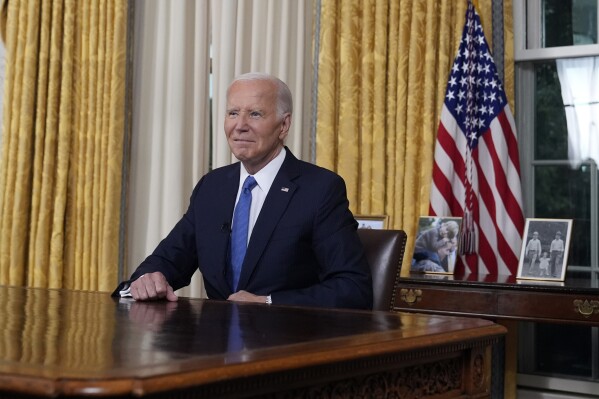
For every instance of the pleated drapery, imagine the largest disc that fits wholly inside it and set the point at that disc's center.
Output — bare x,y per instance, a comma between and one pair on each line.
178,113
271,36
382,72
170,143
63,135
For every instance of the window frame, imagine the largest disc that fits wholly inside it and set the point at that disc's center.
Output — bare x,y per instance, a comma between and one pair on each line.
525,105
527,13
527,43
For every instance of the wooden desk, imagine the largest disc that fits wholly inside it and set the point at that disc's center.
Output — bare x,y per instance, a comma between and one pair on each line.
500,297
56,343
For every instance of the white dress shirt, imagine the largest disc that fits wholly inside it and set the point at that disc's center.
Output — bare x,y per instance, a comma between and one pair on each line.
264,178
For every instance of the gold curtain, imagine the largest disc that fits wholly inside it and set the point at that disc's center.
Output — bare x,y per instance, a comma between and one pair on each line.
382,71
62,142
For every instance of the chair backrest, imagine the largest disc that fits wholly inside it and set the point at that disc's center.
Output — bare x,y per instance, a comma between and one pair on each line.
384,251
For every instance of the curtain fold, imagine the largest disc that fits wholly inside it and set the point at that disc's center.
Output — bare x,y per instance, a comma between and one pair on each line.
171,122
382,72
271,36
178,113
63,135
579,81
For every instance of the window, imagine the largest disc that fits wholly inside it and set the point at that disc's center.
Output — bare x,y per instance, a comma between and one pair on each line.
557,56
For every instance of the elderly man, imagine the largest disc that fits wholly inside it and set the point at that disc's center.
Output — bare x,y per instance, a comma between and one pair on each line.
270,228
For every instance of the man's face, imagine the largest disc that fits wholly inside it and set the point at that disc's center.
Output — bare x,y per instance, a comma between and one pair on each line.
254,131
444,251
443,230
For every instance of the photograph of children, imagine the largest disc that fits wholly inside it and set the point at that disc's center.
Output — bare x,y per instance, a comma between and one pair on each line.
544,265
435,249
372,222
533,252
544,252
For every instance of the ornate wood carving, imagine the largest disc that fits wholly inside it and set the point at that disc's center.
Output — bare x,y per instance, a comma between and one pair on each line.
411,382
439,378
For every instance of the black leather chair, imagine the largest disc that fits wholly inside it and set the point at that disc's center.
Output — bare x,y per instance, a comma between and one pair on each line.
384,251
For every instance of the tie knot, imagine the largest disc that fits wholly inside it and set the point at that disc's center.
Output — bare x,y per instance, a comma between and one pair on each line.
249,183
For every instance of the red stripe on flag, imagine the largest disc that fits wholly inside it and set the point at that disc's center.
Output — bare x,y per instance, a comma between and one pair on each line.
445,188
487,253
511,204
501,248
447,142
514,208
443,179
510,138
476,157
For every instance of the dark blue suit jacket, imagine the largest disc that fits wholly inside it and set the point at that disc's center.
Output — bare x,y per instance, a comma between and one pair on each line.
304,249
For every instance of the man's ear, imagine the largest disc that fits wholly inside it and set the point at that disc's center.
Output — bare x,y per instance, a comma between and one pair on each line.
285,126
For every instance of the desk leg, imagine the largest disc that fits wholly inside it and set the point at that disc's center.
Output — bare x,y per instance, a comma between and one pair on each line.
498,370
511,358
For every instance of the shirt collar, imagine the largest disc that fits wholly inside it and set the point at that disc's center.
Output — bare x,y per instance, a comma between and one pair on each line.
265,176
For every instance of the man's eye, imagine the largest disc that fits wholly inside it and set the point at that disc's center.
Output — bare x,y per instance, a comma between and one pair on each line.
255,115
232,114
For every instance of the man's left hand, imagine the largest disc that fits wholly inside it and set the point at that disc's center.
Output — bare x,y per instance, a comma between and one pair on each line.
244,296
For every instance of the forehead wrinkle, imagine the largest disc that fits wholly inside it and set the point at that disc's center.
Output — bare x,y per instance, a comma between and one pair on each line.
246,110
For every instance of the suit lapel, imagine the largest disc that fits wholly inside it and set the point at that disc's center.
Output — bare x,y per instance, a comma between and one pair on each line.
226,194
281,192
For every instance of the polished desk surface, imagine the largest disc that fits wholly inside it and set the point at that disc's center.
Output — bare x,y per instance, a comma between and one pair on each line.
573,301
60,342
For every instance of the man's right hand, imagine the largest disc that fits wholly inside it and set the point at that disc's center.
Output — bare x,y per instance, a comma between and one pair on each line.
152,286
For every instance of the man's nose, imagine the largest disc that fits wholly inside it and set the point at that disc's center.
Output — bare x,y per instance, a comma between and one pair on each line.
241,120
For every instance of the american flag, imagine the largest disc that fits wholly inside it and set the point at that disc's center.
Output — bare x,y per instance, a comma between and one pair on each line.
476,172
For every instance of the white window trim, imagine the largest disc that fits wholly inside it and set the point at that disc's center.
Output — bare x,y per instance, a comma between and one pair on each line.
532,50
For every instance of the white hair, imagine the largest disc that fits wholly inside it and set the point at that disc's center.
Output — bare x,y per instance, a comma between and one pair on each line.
284,99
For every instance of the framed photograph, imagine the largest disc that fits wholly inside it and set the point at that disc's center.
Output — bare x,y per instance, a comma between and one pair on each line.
435,249
372,221
544,253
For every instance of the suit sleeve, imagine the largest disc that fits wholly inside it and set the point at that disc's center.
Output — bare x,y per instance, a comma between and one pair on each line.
175,256
344,274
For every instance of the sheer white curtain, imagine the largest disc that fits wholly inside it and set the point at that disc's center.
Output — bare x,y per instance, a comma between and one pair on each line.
272,36
171,135
579,80
171,120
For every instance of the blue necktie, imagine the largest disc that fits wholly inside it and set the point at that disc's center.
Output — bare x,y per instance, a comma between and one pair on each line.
239,234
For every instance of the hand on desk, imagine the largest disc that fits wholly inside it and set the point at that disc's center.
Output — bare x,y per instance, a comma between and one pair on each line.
151,286
244,296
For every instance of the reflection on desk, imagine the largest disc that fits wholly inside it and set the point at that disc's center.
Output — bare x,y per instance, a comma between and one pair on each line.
59,343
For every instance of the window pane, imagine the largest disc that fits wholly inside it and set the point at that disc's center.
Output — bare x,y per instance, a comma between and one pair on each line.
567,23
570,353
564,193
551,130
